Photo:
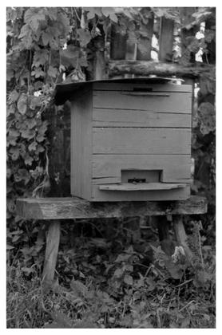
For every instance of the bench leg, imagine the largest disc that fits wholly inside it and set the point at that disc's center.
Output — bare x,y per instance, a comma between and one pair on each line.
51,253
181,235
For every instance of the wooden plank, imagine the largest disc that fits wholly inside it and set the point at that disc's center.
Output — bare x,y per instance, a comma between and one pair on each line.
75,208
176,168
144,45
81,145
174,103
130,118
117,43
141,85
129,86
141,141
130,187
166,40
157,195
52,246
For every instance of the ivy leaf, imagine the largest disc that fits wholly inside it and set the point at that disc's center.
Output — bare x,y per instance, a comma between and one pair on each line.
34,102
38,73
84,37
14,152
28,160
118,273
128,279
22,103
39,149
13,96
40,57
70,56
107,11
92,12
28,133
12,137
42,129
46,38
52,71
34,16
113,17
31,123
32,146
11,110
40,138
22,174
207,118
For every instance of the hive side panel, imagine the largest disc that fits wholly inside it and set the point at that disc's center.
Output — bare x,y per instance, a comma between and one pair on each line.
106,169
141,131
81,144
132,86
130,118
164,102
157,141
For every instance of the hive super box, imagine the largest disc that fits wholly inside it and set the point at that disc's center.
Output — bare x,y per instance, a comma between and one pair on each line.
130,139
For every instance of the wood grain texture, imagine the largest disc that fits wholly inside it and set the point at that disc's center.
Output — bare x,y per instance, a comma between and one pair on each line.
146,68
81,145
130,187
75,208
166,40
141,141
174,103
146,119
176,168
127,86
154,195
52,247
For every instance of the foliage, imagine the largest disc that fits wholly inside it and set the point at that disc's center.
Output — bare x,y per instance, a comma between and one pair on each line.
129,290
134,287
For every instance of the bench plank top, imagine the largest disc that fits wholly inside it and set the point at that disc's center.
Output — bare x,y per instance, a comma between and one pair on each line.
75,208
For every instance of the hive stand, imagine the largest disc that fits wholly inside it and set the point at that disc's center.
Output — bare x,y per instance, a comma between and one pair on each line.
56,209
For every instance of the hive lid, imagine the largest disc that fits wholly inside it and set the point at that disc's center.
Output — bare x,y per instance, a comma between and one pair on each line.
65,90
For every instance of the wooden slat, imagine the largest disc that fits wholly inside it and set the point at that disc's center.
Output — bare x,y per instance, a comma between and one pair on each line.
75,208
139,118
143,141
176,168
157,195
81,149
169,87
175,103
130,187
144,45
166,40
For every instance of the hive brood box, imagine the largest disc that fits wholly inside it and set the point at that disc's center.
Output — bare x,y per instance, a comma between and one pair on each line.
130,139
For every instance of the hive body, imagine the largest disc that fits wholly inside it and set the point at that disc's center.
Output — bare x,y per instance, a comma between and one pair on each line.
131,141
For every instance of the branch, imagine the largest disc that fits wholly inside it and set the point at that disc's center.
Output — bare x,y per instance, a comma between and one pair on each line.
146,68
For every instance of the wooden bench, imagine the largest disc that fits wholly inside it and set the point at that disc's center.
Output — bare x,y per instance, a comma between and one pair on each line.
57,209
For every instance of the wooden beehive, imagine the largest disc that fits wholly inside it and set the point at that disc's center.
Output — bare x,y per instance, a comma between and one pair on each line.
130,139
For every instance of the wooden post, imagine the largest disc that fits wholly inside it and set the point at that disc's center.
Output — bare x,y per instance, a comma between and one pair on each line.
99,64
144,46
181,236
166,39
52,246
118,43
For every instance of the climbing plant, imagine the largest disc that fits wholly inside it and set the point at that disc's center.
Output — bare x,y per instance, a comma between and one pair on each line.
47,45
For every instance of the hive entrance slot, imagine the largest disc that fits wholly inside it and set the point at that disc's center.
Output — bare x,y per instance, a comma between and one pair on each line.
141,176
